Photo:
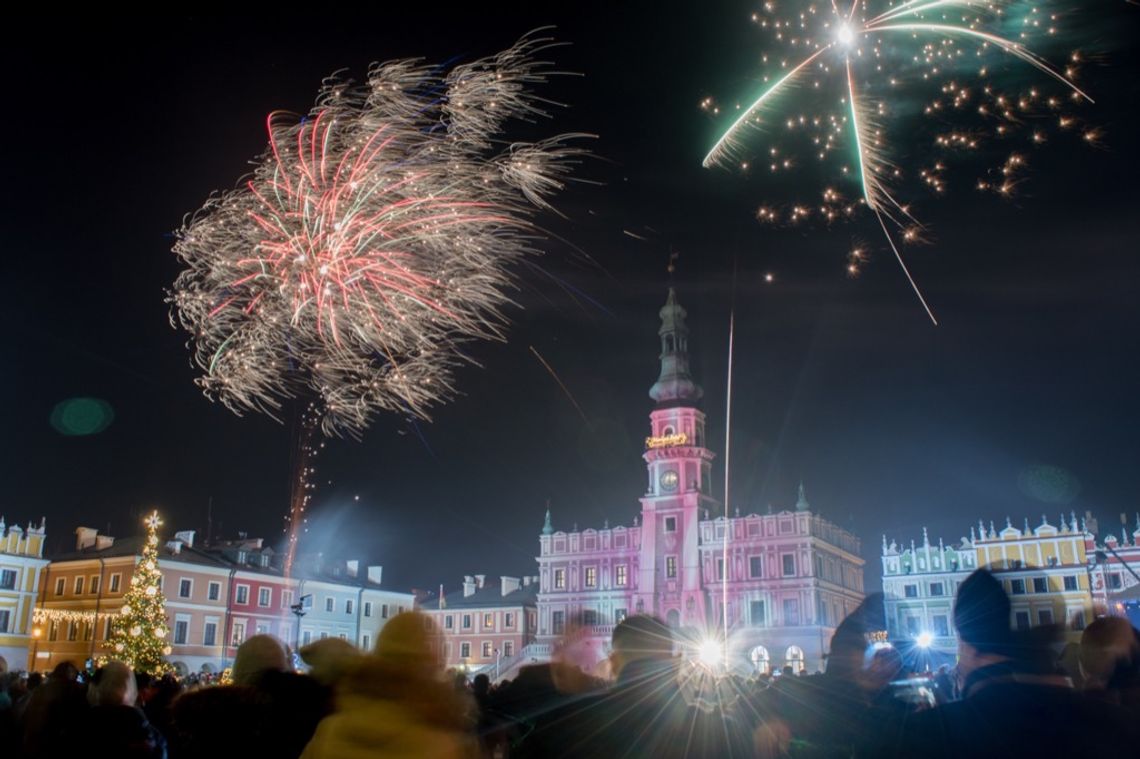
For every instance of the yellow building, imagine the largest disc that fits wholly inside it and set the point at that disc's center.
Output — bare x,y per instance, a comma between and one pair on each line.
21,564
1044,570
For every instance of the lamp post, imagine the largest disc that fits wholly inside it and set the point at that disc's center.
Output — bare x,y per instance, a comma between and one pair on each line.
298,609
37,632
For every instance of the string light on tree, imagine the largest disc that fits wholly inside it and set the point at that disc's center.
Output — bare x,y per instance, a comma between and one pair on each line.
139,631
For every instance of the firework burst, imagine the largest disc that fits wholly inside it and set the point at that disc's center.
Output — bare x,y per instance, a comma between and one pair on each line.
374,237
841,73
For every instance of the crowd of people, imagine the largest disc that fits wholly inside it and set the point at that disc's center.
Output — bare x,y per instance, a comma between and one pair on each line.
1010,694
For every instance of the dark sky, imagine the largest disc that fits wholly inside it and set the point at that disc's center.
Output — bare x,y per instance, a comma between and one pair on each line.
116,128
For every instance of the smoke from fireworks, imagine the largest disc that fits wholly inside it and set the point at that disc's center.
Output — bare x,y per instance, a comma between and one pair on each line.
844,70
374,236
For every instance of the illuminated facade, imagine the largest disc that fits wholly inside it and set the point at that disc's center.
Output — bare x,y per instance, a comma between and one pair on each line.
1047,572
21,566
485,626
1115,573
790,576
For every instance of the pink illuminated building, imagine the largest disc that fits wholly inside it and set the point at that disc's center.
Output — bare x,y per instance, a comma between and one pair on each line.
790,576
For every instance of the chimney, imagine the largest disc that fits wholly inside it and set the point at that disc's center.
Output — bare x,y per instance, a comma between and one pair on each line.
509,584
480,580
374,574
526,581
353,567
186,536
468,586
85,537
174,546
103,542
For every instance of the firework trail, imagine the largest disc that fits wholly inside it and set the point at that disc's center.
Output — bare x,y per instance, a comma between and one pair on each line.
852,62
374,236
561,384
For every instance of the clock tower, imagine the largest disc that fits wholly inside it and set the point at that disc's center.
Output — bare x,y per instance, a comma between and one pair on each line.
679,487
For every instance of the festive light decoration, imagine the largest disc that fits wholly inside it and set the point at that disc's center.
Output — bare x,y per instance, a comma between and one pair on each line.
374,237
850,68
139,630
666,441
46,616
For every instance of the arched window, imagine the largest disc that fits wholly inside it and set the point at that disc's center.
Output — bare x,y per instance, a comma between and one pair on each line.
760,661
668,343
667,430
794,658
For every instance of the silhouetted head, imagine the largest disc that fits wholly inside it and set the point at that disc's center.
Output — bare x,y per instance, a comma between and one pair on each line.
640,638
981,614
65,671
1108,646
258,654
113,685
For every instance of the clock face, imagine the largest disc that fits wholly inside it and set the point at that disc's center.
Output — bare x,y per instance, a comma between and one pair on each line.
669,480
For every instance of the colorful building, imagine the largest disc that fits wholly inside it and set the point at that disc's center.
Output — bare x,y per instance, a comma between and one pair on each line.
21,565
216,597
790,576
1115,573
486,626
919,585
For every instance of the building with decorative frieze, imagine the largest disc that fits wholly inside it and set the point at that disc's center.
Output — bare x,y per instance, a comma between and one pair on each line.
790,576
919,585
1048,571
21,565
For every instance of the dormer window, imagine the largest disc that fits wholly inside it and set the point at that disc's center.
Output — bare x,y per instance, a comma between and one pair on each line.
241,557
265,560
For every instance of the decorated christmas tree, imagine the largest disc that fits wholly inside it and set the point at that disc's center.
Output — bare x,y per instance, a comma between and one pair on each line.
138,633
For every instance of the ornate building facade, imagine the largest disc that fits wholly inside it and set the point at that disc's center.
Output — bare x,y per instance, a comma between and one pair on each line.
781,581
21,564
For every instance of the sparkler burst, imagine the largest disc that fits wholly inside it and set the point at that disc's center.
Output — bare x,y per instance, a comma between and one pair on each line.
846,70
374,237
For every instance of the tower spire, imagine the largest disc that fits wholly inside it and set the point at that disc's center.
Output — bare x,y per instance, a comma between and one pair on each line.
674,386
802,501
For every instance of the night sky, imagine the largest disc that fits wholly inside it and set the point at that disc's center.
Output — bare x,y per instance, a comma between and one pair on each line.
115,129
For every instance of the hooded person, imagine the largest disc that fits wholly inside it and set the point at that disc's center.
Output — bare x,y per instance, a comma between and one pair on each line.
115,717
396,703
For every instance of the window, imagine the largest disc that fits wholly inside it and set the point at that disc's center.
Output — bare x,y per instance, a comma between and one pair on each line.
464,650
210,633
1017,588
263,597
488,621
670,566
1078,620
936,589
115,580
330,603
53,631
591,577
324,635
94,585
560,579
107,628
670,524
343,636
72,630
619,615
367,610
509,648
466,621
400,609
185,587
941,625
383,611
79,585
88,630
910,591
1040,585
306,637
719,568
1045,617
789,564
181,630
348,606
213,591
590,617
59,586
448,622
508,619
1021,620
5,619
791,611
1070,582
8,579
366,642
755,566
1114,580
620,575
242,594
756,613
286,599
912,626
557,622
488,651
239,633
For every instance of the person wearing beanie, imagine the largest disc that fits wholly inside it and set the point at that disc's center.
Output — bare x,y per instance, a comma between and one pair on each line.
1010,706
